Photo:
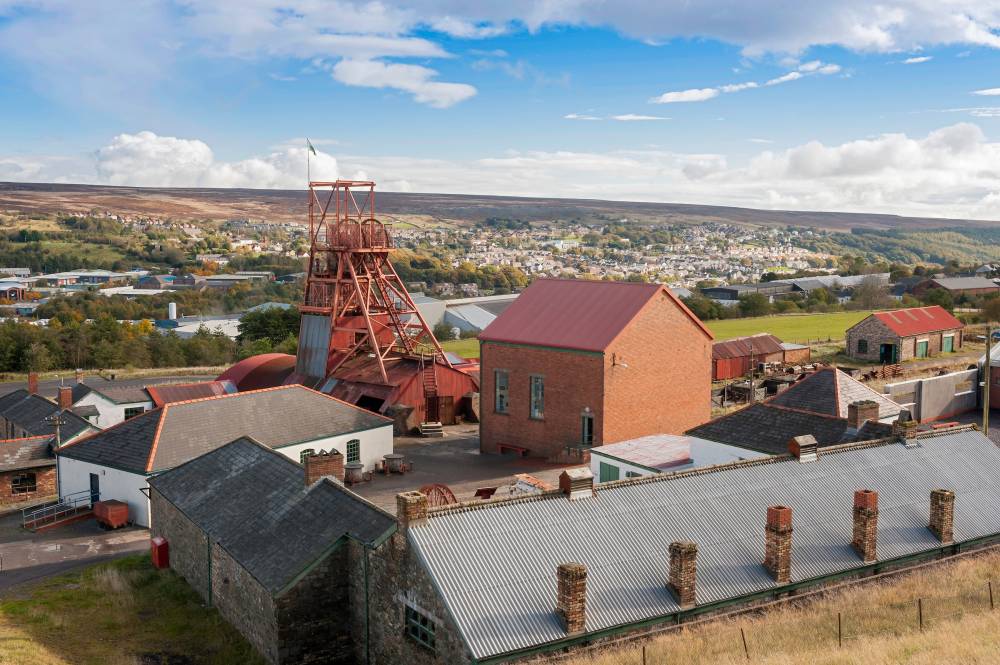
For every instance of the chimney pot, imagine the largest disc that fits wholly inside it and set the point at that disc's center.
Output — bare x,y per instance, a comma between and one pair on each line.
572,601
683,572
942,519
577,483
411,509
33,383
865,534
65,397
858,413
804,448
778,543
321,464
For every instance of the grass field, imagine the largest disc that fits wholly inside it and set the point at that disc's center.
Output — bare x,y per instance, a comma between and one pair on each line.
467,348
800,328
880,626
122,613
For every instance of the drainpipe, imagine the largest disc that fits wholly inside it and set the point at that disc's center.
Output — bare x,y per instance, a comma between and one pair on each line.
368,658
987,371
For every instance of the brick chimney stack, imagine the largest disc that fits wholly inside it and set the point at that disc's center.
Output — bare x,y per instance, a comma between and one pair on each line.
943,515
804,448
858,413
33,383
572,602
683,572
865,524
778,546
65,397
904,427
324,464
411,509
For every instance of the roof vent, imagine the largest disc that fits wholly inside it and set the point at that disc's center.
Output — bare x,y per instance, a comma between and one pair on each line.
905,429
804,448
577,483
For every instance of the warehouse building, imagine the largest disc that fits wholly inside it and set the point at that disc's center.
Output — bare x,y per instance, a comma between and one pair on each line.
735,357
573,364
118,462
903,334
292,578
959,286
828,405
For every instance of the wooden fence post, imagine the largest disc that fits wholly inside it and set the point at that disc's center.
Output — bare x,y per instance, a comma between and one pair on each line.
840,632
990,585
745,649
920,613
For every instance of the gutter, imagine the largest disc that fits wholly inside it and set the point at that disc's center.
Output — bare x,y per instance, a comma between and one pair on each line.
685,616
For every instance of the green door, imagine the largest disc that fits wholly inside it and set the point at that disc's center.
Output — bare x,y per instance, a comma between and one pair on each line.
608,472
922,349
948,343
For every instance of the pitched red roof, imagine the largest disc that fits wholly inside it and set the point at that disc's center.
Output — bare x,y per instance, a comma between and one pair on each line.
183,392
742,347
918,320
576,314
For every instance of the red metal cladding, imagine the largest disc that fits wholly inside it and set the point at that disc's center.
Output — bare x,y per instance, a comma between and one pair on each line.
111,513
866,499
918,320
264,371
779,517
160,552
575,314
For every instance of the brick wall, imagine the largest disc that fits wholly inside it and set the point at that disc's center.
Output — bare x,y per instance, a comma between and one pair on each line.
188,543
396,578
45,483
573,382
666,386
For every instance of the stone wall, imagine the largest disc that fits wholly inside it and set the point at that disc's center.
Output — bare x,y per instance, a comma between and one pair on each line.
245,604
188,544
396,578
45,485
875,333
314,617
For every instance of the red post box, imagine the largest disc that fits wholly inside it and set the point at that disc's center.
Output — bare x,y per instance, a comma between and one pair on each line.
160,552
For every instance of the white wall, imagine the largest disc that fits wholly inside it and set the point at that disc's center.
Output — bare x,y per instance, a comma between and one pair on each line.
623,467
74,476
374,444
109,413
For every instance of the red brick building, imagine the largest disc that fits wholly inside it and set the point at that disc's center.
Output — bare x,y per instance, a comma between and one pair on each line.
27,470
575,363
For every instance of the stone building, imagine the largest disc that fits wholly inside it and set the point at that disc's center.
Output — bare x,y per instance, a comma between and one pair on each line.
292,577
904,334
573,364
27,470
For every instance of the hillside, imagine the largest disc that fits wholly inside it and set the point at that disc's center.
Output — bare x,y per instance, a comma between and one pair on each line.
289,206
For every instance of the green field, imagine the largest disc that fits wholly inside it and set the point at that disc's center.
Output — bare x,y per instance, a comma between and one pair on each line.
467,348
799,328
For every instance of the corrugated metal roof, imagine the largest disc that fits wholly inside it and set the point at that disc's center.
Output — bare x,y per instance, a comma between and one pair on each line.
961,283
496,565
742,347
918,320
575,314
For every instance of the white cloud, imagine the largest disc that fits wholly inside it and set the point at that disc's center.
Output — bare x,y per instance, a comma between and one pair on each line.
463,29
148,160
736,87
988,92
759,140
692,95
580,116
918,60
414,79
785,78
633,117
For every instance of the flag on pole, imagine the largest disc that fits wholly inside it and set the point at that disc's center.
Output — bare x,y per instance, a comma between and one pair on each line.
310,146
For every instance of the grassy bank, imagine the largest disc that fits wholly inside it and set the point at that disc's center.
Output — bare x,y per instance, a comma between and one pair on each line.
879,621
467,348
122,613
800,328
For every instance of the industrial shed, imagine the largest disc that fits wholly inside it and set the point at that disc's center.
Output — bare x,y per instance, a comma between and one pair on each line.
733,358
903,334
117,462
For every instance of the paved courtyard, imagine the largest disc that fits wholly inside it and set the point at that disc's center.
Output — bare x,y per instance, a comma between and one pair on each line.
453,461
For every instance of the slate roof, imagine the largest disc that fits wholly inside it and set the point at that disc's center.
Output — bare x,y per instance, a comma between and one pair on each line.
815,405
168,436
119,391
917,320
28,412
255,504
495,565
576,314
962,283
27,453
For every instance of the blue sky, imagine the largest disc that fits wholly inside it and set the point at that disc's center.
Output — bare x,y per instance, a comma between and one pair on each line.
836,105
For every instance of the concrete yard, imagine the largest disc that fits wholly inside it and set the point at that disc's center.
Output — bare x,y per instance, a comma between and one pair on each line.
27,556
453,461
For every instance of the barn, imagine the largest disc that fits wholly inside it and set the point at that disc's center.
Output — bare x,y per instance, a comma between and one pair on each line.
733,358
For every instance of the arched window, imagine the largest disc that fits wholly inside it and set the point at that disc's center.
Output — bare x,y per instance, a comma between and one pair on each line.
23,483
353,451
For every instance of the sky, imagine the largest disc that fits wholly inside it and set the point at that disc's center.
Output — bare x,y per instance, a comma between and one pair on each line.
841,105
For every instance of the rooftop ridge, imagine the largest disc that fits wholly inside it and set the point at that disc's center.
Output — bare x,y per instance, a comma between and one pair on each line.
479,504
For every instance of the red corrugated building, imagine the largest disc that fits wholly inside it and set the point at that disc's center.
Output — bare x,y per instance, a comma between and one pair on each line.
902,334
574,363
733,358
